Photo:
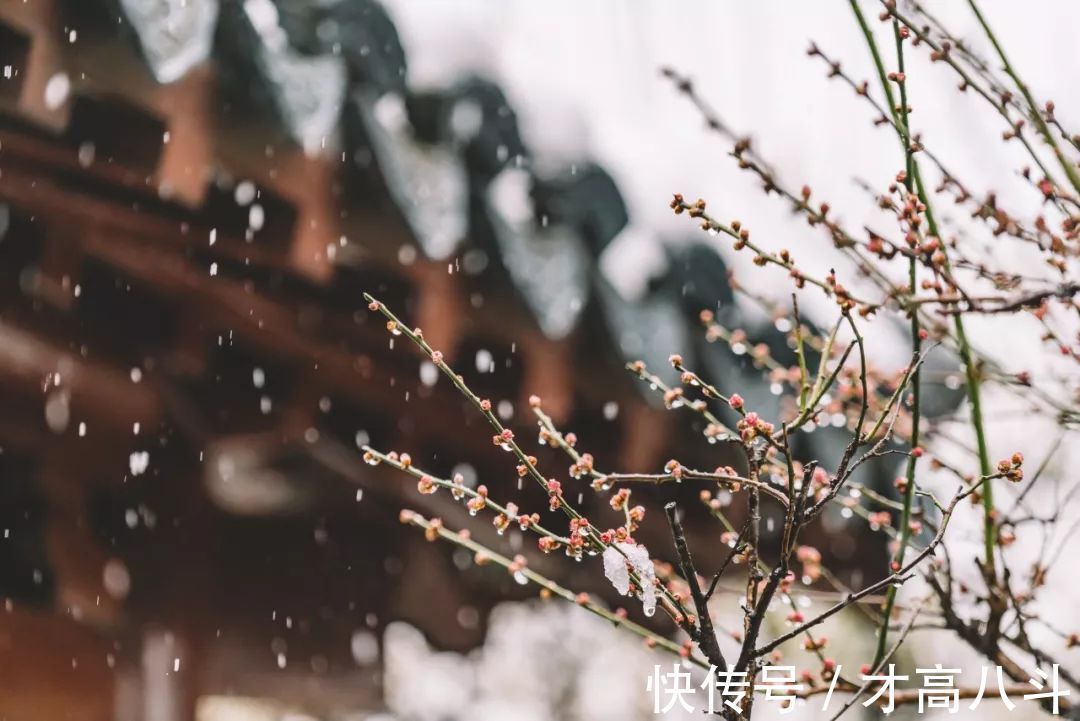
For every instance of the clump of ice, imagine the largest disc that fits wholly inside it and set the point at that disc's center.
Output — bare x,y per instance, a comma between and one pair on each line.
617,568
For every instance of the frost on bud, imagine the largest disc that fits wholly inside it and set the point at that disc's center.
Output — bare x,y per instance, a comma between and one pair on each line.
617,568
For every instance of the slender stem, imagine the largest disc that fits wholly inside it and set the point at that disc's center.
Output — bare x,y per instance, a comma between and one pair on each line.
466,542
1033,110
899,576
394,325
916,341
458,488
971,372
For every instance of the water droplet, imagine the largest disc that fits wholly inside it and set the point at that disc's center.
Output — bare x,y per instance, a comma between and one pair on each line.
87,151
58,411
138,462
429,373
505,409
256,217
57,90
611,410
649,611
520,577
485,362
245,192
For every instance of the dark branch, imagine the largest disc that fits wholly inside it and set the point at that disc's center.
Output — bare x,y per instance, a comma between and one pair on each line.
706,639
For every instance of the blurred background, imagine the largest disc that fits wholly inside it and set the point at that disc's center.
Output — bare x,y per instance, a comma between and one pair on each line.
194,194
